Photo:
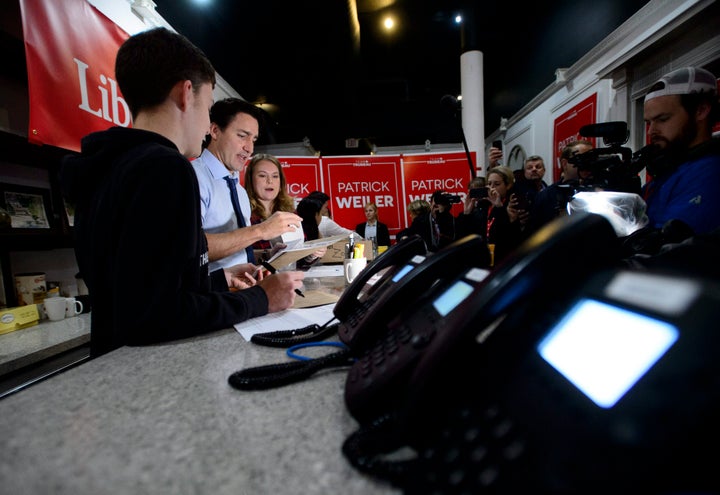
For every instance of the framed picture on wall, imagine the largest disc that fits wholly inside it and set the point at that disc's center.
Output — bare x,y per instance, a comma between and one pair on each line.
28,207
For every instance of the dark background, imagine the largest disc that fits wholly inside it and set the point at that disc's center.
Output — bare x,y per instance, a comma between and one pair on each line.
329,78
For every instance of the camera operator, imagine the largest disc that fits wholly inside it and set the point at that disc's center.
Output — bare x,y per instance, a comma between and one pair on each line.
437,228
441,220
551,202
680,110
473,218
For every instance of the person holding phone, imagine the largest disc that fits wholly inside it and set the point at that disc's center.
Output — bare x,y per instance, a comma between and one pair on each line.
473,218
529,182
502,228
495,154
266,188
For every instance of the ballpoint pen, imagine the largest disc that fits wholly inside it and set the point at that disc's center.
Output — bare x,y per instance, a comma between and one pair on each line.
272,269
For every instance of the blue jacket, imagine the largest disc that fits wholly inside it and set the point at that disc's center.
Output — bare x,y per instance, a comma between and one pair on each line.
690,193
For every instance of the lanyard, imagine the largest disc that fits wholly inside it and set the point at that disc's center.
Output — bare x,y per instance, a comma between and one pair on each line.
490,222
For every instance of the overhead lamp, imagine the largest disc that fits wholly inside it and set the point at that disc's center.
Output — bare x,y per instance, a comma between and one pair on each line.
389,23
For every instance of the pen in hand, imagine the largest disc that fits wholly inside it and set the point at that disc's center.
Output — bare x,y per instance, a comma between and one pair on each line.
272,269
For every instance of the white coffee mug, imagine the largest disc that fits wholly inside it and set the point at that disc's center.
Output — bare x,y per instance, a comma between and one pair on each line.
352,267
73,307
55,308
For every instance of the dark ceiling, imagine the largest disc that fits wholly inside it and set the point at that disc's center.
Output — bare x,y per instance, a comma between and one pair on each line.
331,73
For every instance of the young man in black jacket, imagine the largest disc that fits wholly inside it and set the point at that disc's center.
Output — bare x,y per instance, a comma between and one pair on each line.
139,240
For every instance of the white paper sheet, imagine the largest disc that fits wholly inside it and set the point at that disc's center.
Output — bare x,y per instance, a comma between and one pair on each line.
290,319
321,271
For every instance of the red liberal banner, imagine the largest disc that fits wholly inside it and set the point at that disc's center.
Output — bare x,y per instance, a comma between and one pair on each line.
567,128
353,181
425,173
70,49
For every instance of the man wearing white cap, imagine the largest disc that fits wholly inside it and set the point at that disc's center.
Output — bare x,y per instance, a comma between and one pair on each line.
680,111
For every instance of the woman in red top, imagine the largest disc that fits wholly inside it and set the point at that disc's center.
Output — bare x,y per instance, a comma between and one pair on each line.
266,187
503,228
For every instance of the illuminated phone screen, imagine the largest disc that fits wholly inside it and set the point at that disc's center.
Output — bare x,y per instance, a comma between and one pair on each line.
604,350
449,299
402,272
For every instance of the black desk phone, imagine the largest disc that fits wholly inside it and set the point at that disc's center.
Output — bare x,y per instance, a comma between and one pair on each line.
365,309
374,384
358,291
550,377
392,282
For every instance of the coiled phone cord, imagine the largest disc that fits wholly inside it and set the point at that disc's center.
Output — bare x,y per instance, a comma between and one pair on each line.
277,375
366,447
287,338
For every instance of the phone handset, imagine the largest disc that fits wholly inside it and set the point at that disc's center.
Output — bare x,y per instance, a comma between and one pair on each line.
368,278
401,288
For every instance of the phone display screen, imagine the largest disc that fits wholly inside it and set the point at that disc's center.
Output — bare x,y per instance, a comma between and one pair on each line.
604,350
402,272
449,299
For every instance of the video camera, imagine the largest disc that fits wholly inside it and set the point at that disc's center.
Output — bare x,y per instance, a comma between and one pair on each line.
448,199
613,168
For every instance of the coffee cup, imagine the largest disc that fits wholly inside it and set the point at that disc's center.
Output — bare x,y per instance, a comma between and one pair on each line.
55,308
73,307
352,267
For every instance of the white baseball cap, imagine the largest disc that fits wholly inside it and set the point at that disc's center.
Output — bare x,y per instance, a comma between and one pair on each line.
684,81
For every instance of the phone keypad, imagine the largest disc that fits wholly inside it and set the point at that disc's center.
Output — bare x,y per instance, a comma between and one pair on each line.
474,452
374,381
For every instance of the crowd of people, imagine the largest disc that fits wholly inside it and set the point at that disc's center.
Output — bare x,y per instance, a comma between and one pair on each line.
161,216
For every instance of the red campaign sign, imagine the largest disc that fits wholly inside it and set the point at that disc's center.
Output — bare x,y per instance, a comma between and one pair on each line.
567,128
353,181
70,49
425,173
302,175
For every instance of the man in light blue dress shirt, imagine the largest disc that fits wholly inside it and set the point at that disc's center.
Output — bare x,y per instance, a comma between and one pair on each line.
234,129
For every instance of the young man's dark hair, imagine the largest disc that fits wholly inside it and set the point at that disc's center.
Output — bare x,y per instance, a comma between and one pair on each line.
150,63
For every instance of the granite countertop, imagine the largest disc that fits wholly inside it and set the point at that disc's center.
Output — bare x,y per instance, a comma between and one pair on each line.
46,339
163,419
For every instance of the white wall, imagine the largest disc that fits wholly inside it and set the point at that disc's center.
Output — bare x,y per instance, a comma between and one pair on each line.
663,35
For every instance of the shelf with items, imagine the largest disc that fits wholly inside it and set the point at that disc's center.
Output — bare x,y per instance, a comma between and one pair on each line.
30,193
